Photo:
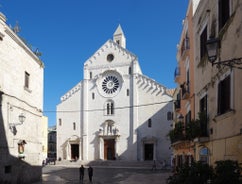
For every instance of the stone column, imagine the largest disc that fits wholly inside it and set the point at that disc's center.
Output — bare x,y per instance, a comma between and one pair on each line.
101,148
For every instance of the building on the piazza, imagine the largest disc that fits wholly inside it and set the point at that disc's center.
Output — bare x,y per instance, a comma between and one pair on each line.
44,136
21,104
52,142
218,87
184,98
115,112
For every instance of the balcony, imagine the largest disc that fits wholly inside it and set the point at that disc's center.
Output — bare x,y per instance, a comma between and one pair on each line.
185,88
194,130
177,74
177,134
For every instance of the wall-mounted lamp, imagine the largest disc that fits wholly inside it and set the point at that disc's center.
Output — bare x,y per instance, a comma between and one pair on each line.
213,45
12,126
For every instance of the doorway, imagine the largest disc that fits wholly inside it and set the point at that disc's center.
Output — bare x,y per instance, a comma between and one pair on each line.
109,151
149,151
74,151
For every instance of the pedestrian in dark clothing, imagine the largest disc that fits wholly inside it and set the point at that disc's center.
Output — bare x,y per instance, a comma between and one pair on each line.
153,166
90,173
81,171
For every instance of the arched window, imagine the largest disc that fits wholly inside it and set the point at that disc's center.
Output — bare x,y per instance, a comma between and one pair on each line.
130,70
93,96
74,126
109,108
127,92
169,116
204,155
149,123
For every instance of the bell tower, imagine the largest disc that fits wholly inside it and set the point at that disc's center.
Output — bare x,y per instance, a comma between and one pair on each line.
119,38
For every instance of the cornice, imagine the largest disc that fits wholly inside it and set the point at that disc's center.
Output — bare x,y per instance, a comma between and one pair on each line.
71,92
16,38
149,84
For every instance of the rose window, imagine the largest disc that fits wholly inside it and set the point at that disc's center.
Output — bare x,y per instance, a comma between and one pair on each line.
110,84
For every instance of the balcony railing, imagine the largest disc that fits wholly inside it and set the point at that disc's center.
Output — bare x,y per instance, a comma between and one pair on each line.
194,129
185,45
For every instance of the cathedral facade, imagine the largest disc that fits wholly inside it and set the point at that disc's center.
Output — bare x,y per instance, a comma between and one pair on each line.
115,112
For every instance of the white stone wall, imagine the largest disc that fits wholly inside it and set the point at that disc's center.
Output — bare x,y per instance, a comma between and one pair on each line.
16,59
68,112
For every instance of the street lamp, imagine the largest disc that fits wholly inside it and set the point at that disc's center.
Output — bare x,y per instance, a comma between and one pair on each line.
212,47
12,126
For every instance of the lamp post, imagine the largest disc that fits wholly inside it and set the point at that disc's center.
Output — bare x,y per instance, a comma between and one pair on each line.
212,46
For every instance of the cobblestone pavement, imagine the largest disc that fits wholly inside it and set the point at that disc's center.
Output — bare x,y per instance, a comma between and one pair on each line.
52,174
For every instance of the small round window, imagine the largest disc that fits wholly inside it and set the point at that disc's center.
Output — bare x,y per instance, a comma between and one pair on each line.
110,57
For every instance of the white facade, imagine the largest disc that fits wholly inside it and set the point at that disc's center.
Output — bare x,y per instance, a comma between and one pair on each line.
115,112
21,94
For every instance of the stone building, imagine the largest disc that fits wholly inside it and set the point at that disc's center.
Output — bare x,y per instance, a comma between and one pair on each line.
21,104
44,136
115,112
184,104
52,142
218,87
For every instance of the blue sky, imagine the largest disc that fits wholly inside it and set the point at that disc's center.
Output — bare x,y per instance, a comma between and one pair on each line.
68,32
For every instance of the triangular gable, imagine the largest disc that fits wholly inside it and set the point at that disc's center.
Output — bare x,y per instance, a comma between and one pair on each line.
121,56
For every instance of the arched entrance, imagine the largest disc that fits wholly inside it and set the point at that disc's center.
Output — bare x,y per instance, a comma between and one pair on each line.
71,149
108,136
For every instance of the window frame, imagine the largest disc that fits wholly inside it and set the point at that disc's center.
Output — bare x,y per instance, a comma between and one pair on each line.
224,105
149,123
223,13
203,41
60,122
26,80
74,125
109,108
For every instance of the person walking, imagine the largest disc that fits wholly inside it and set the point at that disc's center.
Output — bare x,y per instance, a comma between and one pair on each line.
154,165
81,172
90,173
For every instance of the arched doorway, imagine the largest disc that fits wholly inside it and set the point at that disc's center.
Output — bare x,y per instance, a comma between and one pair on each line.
73,148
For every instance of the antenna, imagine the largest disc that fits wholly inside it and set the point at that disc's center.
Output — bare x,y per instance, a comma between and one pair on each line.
37,53
16,28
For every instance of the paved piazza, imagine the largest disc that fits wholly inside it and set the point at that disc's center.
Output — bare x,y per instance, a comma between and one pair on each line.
103,175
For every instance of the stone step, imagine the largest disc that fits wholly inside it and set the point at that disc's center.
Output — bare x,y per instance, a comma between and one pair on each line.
111,163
